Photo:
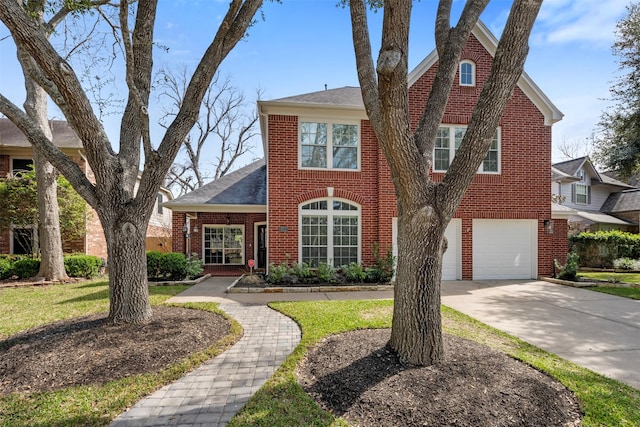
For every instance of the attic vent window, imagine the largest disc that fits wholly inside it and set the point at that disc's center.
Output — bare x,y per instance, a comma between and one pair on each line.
467,73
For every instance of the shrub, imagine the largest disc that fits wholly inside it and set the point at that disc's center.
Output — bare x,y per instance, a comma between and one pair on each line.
353,272
277,273
193,268
569,271
154,265
174,265
626,264
326,273
6,268
87,266
26,267
302,271
601,248
382,270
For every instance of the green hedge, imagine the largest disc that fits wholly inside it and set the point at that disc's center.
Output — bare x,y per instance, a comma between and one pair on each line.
601,248
172,266
6,268
87,266
26,267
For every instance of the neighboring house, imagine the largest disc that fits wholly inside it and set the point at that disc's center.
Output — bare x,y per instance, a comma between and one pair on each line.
16,154
598,201
324,191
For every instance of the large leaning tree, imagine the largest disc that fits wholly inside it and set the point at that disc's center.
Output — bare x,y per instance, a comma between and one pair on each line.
424,206
123,212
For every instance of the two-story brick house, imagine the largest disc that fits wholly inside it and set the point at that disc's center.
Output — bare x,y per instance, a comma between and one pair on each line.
16,154
329,197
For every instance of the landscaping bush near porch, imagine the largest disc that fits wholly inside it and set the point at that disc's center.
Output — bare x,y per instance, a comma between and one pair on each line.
172,266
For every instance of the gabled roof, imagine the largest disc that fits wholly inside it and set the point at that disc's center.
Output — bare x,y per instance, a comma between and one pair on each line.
244,188
551,113
558,175
571,167
624,201
63,135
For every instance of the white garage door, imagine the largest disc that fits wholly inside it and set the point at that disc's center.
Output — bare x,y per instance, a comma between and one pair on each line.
505,249
451,262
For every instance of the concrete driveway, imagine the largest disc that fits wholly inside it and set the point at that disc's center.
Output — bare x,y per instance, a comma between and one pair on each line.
598,331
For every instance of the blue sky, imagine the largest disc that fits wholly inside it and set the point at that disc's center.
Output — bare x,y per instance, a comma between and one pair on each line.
303,45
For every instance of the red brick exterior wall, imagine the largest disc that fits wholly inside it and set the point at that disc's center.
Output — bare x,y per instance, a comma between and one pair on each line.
520,191
247,220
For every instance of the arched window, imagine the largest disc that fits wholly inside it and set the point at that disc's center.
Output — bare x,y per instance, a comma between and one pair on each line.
467,73
329,232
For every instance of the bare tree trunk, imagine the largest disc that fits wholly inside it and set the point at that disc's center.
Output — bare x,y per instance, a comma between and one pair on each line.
416,326
128,286
50,239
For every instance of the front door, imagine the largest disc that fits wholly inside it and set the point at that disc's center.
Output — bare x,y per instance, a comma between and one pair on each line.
262,247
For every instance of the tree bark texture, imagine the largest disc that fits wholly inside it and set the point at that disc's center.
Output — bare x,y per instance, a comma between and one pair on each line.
128,289
124,213
424,207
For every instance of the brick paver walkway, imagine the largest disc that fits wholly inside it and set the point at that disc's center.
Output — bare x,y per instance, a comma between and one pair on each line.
213,393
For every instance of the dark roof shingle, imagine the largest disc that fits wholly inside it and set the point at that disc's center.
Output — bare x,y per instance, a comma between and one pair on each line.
245,186
63,135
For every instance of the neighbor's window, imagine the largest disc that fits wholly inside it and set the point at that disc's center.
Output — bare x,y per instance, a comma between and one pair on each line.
223,244
448,140
160,198
467,73
329,232
329,145
582,193
21,165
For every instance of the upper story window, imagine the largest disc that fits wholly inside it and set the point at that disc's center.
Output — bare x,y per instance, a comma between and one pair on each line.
467,73
448,140
328,145
160,199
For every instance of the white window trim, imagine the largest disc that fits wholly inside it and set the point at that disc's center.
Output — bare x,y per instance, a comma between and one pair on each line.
452,151
241,226
328,122
586,194
330,213
473,73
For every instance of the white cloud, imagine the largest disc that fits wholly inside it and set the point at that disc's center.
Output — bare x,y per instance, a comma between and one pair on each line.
588,21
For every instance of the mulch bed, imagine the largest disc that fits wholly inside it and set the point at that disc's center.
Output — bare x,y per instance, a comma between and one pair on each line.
356,375
86,351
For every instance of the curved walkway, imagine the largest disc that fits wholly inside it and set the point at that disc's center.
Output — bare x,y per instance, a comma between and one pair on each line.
214,392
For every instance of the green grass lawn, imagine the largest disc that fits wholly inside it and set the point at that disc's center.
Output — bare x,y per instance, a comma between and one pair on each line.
27,307
282,402
609,276
632,278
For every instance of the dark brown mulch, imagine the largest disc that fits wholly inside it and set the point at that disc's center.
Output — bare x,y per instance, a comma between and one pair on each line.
258,281
86,351
357,376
